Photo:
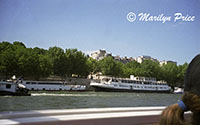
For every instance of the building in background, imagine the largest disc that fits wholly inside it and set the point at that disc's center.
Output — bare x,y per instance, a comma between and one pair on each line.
140,59
100,54
164,62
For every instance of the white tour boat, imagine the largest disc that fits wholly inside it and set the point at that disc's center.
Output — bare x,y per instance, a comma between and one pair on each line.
132,84
52,86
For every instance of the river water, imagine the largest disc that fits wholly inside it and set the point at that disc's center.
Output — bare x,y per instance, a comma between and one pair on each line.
72,100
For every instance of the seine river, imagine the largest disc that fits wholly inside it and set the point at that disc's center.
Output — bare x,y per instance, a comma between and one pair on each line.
72,100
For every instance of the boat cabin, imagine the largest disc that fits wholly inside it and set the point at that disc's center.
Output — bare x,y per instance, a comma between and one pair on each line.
8,87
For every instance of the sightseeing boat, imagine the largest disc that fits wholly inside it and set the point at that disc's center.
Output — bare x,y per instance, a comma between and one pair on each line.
132,84
52,86
13,88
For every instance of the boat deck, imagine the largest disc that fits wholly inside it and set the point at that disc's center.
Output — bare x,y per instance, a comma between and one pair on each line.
91,116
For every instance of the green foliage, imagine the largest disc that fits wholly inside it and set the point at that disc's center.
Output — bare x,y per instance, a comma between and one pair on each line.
132,68
44,66
58,60
8,61
78,62
170,72
5,46
111,67
19,44
150,69
16,59
181,73
93,65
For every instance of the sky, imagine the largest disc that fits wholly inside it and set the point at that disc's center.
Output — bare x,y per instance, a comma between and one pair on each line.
90,25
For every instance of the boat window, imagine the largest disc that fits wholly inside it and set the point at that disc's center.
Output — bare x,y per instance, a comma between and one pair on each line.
122,85
43,89
8,86
32,88
43,83
27,82
114,80
106,79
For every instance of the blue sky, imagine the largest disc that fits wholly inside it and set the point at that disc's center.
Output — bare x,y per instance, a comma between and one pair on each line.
90,25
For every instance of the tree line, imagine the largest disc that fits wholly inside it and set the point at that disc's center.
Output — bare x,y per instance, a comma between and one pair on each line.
17,59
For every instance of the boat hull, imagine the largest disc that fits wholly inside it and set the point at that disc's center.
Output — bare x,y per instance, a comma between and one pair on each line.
104,89
5,93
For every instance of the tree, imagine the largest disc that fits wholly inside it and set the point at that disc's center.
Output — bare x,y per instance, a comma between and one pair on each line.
110,67
78,62
45,66
8,62
5,46
19,44
150,69
40,51
92,65
181,74
58,60
132,68
170,72
17,59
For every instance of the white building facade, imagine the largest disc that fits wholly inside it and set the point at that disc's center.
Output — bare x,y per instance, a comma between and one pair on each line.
100,54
